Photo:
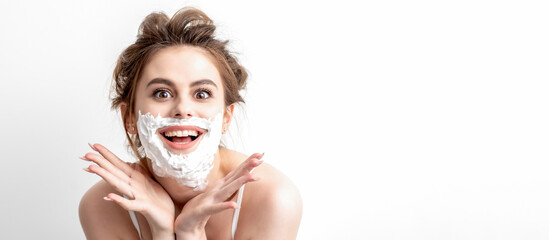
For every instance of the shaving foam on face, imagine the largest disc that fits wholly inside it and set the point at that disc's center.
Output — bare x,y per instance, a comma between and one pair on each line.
190,169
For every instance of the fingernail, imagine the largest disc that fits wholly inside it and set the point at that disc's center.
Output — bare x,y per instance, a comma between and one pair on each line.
234,205
92,147
87,170
107,198
83,158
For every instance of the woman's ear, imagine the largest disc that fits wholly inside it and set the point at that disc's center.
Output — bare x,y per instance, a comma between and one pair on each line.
129,124
227,117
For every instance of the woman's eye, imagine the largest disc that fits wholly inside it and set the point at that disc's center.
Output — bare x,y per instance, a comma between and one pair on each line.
162,94
201,94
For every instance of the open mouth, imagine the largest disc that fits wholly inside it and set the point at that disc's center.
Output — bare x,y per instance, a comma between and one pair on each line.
181,137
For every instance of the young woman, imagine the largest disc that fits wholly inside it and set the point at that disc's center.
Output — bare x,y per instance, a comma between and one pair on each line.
176,88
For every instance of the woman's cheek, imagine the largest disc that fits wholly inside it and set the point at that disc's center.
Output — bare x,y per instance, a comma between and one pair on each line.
212,111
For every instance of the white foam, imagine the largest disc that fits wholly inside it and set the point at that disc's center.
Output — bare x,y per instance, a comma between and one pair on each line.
190,169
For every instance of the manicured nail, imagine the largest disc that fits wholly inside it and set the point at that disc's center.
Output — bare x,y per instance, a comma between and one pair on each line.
107,198
235,205
92,147
87,170
260,158
83,158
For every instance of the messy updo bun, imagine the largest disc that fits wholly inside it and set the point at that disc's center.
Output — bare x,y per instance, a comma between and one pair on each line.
188,27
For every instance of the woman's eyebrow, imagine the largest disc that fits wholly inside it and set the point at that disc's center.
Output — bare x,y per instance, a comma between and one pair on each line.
161,81
203,81
171,84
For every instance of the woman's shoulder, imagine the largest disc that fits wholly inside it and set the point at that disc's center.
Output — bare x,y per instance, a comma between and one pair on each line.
274,191
101,219
273,202
273,184
269,175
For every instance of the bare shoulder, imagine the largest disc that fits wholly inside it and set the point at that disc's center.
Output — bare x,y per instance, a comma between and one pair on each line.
102,219
271,207
274,193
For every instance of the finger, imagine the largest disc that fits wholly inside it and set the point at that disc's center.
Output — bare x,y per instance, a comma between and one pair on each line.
129,205
245,167
229,189
218,207
105,164
92,147
121,186
113,158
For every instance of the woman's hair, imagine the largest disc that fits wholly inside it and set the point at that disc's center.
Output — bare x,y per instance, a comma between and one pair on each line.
188,27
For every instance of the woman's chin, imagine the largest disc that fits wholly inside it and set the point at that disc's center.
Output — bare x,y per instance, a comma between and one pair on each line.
179,193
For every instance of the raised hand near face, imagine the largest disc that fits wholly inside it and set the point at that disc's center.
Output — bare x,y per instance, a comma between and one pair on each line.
143,194
195,214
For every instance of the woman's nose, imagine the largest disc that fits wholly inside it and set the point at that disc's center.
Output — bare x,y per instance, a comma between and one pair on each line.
182,109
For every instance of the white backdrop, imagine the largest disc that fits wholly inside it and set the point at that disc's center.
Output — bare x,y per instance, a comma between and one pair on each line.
396,119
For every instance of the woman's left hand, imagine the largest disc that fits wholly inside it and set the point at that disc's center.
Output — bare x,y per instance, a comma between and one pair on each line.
195,214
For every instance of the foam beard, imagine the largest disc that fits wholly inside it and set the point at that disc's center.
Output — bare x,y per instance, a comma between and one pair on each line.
190,169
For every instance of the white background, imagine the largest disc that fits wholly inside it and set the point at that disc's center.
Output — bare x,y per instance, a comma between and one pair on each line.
396,119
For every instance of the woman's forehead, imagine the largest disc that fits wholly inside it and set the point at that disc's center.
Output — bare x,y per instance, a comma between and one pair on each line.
182,65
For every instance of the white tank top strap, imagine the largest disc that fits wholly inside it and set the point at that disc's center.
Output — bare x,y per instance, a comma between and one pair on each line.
237,211
135,223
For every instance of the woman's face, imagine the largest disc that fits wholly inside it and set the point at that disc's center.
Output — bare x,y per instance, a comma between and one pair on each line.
181,82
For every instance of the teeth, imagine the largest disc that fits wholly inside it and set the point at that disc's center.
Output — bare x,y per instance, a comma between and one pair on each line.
183,133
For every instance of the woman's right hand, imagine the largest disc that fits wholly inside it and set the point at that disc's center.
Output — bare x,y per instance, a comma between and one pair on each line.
143,193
